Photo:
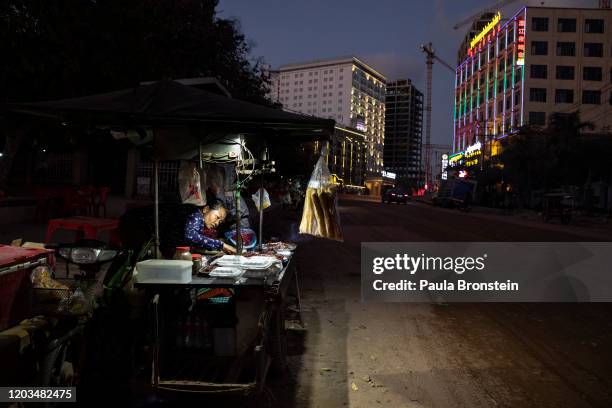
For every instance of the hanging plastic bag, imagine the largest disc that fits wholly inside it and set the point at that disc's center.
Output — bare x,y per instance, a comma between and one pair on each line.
189,184
320,216
266,198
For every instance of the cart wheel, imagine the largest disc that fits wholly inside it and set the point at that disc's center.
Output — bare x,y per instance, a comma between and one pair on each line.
277,342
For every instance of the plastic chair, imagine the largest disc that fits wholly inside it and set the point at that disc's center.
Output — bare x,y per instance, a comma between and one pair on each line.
80,201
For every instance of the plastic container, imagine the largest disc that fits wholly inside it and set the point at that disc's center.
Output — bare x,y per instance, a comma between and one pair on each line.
249,238
182,254
197,263
164,271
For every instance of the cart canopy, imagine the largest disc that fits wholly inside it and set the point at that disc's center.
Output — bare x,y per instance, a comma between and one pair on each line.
168,103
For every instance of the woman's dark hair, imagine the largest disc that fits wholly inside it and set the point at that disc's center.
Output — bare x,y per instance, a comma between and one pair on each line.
215,204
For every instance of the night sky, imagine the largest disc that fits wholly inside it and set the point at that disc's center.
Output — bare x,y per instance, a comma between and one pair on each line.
384,33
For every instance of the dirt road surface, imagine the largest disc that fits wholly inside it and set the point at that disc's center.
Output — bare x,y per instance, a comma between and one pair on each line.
438,356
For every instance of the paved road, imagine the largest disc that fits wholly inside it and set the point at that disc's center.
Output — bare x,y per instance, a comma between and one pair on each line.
421,355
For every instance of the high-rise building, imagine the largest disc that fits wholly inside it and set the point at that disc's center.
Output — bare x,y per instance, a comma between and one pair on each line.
522,69
346,158
403,130
344,89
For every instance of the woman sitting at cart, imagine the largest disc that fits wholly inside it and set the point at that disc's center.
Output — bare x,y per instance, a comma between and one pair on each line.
179,225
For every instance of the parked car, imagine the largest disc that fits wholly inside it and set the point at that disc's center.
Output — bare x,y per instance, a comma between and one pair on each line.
395,195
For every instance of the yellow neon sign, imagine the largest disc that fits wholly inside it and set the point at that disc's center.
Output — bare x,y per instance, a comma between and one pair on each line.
496,19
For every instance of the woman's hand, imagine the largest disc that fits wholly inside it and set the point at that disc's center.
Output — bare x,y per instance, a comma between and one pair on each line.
228,249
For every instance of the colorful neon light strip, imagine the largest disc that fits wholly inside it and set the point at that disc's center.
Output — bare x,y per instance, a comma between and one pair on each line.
523,75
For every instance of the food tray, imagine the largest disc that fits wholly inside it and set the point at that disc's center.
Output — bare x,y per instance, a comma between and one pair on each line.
253,262
274,246
228,260
226,272
258,262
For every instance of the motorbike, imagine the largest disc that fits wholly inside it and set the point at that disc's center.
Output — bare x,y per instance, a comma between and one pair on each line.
91,333
113,334
66,304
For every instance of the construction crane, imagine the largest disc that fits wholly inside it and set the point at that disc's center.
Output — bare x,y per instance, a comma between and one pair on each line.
430,57
493,7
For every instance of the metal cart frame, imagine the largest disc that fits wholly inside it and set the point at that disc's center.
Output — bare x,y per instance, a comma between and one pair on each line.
259,305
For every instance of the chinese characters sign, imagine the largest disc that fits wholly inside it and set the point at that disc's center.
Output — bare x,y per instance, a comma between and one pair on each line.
520,42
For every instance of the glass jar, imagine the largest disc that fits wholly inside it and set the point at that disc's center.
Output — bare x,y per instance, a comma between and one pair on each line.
197,263
182,253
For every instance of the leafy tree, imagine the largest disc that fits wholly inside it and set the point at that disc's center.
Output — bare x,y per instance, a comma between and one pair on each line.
561,154
69,48
526,159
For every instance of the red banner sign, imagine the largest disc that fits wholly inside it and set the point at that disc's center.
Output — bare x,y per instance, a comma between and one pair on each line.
520,42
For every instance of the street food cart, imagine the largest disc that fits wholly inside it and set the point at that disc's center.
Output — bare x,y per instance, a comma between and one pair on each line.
233,343
184,122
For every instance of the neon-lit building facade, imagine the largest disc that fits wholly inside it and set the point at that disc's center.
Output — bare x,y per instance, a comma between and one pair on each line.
489,83
520,70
